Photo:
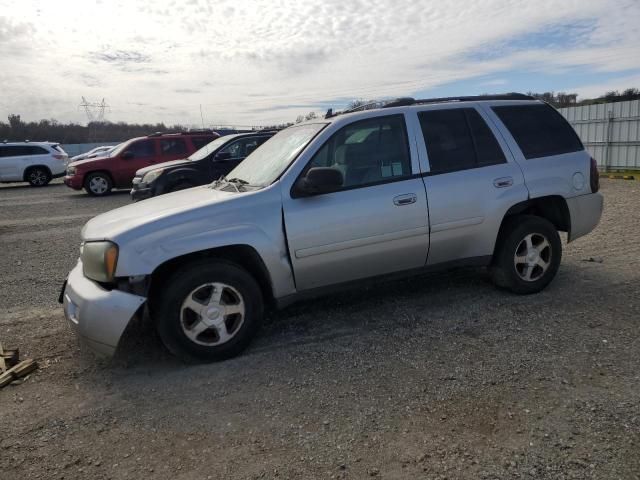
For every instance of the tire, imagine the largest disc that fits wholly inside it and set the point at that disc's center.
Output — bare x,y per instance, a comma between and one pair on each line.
38,176
98,184
191,311
527,255
180,186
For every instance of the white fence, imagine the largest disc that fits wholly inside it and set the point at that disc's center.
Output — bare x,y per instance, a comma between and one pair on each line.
610,131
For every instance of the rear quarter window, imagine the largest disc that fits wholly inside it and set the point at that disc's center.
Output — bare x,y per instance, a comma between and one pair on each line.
539,130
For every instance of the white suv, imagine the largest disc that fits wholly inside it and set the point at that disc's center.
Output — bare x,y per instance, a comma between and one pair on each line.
33,162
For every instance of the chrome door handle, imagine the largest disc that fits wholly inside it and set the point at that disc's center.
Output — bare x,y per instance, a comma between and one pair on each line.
406,199
503,182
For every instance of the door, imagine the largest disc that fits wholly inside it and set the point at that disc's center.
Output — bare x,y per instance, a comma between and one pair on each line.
137,155
13,161
376,223
471,181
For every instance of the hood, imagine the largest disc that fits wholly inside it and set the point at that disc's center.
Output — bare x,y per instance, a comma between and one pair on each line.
142,171
135,217
79,163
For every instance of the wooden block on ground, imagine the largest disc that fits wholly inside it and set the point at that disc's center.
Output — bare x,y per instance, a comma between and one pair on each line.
20,370
11,357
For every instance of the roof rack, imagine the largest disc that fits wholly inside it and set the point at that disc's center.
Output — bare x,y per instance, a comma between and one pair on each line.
184,132
403,102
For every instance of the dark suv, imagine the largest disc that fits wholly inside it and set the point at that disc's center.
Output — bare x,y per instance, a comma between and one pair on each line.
204,166
117,168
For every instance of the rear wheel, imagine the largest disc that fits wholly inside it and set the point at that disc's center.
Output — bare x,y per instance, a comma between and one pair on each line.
528,254
38,176
98,184
209,311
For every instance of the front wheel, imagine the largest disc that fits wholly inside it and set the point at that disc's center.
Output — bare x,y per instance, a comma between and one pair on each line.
98,184
527,255
180,186
209,311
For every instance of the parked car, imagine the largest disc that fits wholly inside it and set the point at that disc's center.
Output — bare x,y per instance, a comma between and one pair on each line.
98,176
412,187
204,166
94,152
33,162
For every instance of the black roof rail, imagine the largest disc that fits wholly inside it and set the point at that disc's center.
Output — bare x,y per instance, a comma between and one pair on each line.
402,102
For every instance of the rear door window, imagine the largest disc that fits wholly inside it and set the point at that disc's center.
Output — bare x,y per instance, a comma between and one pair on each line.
539,130
34,150
173,146
142,148
458,139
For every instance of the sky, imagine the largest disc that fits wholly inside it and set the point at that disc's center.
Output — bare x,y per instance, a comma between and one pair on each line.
260,62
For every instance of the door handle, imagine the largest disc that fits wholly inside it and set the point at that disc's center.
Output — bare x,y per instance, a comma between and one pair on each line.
503,182
406,199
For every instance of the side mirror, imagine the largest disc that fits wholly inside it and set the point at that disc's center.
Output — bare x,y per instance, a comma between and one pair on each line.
319,180
222,156
128,155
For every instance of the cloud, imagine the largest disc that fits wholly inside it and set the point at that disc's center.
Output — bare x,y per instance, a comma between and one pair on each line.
260,61
119,57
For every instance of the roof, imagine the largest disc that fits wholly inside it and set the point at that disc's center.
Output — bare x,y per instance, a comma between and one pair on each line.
408,101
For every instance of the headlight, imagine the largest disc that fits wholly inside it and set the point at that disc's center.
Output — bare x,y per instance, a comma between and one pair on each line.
71,171
99,260
152,175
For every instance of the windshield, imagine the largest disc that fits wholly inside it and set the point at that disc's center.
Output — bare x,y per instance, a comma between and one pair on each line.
119,148
210,148
266,164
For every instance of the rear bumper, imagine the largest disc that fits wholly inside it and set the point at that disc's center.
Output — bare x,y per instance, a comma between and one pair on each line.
58,175
74,182
585,212
98,316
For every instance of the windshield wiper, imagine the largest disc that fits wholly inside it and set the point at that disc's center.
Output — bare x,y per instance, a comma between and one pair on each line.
235,182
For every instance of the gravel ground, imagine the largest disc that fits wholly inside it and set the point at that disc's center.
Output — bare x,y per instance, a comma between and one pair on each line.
433,377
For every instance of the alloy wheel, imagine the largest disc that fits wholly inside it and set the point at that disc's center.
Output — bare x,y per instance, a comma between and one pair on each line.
38,177
98,185
532,257
212,314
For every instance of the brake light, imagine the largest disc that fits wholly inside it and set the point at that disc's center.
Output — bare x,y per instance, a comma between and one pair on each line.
59,157
594,176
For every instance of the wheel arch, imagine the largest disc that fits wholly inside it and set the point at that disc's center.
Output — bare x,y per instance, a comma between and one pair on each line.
99,170
243,255
553,208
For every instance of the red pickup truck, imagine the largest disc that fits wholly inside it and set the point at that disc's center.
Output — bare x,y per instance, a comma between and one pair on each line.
98,176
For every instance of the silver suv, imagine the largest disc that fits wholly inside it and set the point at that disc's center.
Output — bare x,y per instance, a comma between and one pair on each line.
414,186
33,162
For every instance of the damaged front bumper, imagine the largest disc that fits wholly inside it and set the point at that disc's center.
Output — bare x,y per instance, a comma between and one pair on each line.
99,316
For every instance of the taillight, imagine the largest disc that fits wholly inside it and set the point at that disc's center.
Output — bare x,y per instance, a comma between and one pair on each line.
594,176
59,157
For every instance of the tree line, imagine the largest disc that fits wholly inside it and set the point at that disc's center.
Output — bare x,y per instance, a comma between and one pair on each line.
18,130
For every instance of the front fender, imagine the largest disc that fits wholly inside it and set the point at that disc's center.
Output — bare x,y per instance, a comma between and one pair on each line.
143,256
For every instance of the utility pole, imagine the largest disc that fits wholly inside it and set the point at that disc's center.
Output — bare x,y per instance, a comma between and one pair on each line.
95,113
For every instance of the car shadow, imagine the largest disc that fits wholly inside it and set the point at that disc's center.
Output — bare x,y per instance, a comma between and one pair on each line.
344,314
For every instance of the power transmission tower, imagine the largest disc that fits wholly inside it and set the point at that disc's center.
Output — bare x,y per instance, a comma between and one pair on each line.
94,110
